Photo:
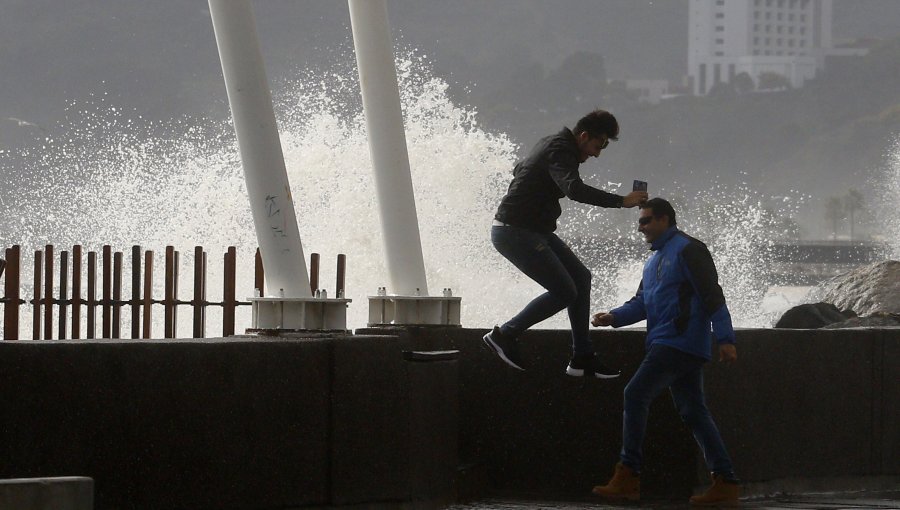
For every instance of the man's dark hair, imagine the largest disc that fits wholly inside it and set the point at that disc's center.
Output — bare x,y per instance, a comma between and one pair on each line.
598,123
660,207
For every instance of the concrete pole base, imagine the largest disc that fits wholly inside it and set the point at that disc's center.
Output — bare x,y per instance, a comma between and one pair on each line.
414,311
308,314
58,493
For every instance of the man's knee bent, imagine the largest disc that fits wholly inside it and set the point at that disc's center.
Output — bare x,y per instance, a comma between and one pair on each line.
582,278
566,293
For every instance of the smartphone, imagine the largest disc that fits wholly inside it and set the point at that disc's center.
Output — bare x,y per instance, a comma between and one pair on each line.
639,185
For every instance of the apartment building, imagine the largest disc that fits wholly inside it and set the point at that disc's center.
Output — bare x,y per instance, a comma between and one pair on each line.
728,37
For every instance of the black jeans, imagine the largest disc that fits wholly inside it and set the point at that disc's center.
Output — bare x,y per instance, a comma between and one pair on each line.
546,259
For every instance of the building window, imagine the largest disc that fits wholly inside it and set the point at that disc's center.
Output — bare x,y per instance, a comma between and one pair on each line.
791,43
768,15
802,43
755,14
720,15
790,30
720,29
768,28
719,54
756,41
720,41
779,16
780,4
720,2
791,16
779,28
778,42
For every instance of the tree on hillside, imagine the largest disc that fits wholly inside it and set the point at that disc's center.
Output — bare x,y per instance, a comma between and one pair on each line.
834,211
723,90
773,81
581,76
853,202
743,83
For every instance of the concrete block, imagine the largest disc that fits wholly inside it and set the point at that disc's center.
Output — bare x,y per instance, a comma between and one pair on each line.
214,423
797,403
433,427
369,421
541,432
889,424
57,493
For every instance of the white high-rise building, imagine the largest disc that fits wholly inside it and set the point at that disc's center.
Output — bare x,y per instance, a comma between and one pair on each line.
728,37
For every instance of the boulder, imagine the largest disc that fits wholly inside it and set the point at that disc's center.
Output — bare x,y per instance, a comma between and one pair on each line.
812,316
866,290
876,320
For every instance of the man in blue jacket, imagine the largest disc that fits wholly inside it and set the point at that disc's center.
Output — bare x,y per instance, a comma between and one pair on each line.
523,228
680,298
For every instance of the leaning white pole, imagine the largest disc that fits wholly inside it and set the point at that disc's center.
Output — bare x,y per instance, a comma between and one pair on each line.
387,146
257,135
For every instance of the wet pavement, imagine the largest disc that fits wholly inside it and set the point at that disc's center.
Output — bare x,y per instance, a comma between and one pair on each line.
834,501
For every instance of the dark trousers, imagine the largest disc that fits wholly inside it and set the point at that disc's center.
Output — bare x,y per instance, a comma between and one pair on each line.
666,367
546,259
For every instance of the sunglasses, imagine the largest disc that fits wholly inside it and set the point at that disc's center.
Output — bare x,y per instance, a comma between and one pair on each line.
645,220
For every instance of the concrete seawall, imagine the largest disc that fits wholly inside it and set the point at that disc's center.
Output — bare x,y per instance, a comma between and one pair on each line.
282,422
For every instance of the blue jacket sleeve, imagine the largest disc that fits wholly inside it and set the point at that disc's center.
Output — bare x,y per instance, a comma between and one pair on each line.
632,311
705,279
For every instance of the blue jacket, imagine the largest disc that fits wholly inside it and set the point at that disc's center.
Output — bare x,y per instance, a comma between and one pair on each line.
679,296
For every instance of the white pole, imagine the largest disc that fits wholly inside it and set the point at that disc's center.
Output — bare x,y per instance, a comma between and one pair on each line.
387,146
257,135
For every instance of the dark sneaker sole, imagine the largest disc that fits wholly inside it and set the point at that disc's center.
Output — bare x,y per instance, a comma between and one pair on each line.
499,352
579,372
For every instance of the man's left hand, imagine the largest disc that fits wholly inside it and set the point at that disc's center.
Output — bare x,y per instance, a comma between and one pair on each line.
727,353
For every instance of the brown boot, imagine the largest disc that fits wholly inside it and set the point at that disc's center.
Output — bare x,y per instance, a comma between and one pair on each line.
721,493
625,484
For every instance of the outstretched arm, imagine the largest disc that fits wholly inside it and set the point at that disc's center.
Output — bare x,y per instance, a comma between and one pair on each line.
631,312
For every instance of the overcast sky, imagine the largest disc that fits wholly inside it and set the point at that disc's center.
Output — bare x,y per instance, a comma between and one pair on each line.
160,56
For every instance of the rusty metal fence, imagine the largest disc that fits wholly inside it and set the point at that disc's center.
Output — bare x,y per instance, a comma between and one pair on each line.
103,307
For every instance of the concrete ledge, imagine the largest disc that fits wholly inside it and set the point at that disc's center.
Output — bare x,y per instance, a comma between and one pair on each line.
541,433
800,403
234,423
58,493
238,423
260,423
799,406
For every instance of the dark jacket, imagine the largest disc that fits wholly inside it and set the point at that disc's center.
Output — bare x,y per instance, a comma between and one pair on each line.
549,173
679,296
